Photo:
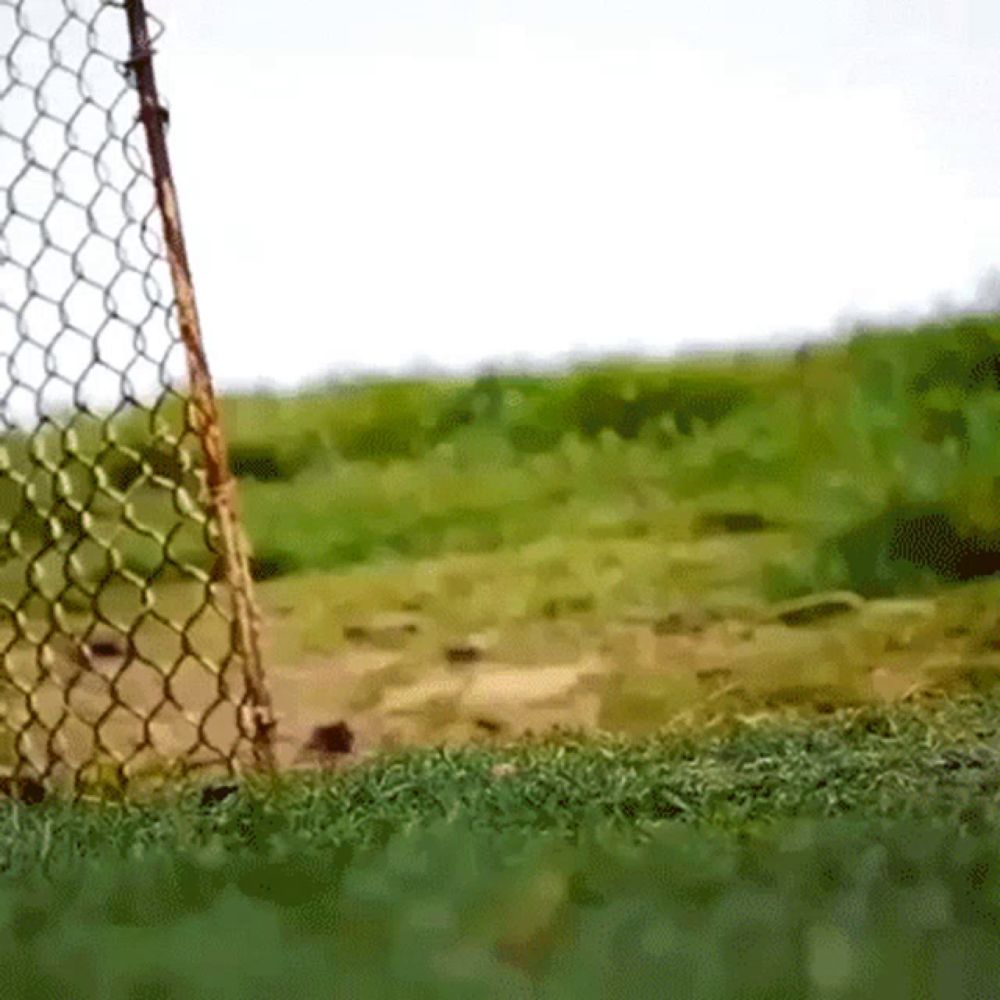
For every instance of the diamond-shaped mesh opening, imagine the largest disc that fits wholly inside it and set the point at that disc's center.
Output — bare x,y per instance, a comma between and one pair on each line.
120,732
118,653
77,741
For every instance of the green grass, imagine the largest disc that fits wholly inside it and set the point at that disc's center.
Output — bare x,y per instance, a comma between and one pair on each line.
938,761
853,857
848,446
846,910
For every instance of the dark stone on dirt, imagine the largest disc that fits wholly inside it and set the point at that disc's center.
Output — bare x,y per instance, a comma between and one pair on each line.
557,607
212,795
673,625
463,654
386,627
30,791
489,725
816,607
105,646
337,738
731,523
680,623
714,673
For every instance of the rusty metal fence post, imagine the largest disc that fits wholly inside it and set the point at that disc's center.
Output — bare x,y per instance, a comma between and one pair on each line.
222,487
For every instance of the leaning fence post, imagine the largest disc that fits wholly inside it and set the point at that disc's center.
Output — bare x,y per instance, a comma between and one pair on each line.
203,406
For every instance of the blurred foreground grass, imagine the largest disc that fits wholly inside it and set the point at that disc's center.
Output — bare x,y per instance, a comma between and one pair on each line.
854,857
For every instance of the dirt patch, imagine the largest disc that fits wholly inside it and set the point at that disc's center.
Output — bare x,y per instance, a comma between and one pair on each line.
323,688
414,698
882,651
528,686
394,686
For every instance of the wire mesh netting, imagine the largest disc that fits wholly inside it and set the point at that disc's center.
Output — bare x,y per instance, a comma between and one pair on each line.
118,649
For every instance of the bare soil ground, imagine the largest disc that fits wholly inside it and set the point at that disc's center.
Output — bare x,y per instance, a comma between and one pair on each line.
633,676
464,650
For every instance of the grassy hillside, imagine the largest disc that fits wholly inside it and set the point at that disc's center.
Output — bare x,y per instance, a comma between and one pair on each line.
854,448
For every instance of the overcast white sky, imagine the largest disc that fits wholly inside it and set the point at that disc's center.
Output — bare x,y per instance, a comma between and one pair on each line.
370,185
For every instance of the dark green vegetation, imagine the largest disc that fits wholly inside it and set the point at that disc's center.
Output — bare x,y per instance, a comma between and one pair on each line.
854,857
878,455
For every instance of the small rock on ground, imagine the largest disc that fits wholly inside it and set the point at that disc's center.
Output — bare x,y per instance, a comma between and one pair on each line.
816,607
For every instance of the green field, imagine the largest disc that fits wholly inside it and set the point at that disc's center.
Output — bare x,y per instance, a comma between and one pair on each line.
755,595
835,447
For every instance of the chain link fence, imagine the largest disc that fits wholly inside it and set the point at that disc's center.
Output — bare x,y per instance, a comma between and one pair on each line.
127,628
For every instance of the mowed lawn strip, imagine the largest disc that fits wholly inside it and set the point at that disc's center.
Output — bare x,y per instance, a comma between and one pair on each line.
936,761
